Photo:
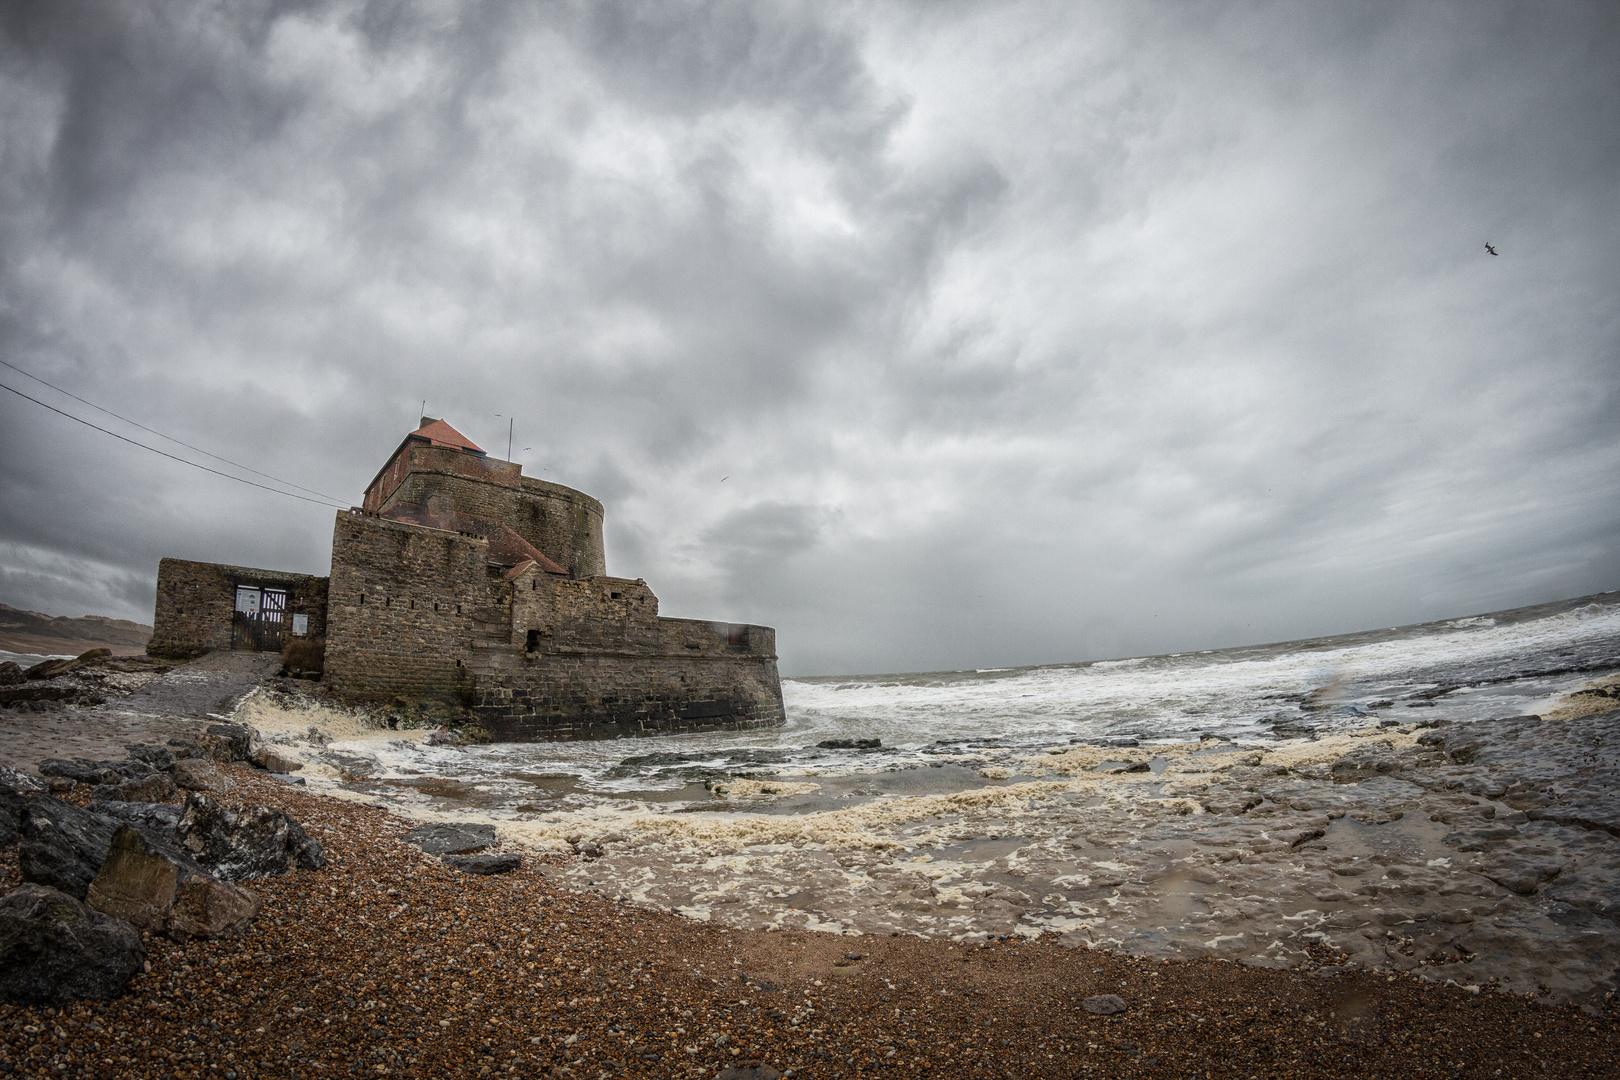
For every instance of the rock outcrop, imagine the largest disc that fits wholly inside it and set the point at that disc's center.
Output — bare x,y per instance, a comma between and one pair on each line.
155,887
55,949
240,845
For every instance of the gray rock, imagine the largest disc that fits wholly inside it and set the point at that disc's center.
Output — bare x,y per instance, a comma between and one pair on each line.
486,864
156,888
199,774
232,742
270,761
12,805
157,820
55,949
451,839
85,771
240,845
150,787
159,757
18,780
351,767
1103,1004
62,846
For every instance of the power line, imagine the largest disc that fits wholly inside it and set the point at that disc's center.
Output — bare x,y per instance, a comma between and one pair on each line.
159,434
171,457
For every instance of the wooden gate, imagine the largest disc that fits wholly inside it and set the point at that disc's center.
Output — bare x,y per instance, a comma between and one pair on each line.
260,618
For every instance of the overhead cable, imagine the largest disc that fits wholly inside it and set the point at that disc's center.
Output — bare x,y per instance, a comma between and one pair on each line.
172,457
159,434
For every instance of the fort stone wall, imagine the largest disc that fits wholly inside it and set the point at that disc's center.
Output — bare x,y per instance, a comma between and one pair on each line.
407,605
196,602
563,523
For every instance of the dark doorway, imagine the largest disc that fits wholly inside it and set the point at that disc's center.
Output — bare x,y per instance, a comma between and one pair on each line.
260,618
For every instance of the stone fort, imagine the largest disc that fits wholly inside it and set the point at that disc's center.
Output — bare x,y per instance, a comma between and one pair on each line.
460,583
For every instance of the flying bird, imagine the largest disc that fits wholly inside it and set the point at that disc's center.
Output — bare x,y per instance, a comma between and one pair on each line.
723,479
1490,248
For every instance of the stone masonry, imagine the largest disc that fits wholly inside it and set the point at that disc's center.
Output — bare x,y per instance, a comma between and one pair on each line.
461,582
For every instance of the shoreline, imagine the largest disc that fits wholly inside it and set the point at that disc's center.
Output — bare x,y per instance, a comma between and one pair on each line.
1484,853
389,963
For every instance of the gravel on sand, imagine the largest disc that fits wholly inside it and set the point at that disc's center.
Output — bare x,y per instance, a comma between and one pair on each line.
388,962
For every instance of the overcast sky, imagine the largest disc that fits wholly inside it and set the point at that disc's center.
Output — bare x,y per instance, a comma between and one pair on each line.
934,335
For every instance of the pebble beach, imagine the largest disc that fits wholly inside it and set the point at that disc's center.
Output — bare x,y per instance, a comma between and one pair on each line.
388,963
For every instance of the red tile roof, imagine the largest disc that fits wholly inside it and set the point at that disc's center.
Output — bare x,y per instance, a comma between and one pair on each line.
440,433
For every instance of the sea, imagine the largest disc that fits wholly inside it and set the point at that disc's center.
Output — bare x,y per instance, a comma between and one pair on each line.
850,739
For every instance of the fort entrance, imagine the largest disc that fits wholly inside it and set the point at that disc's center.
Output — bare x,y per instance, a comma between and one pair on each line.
260,618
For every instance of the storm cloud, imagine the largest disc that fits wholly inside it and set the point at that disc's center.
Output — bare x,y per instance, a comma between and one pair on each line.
935,335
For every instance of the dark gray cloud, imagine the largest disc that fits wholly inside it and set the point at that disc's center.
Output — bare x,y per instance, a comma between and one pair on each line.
1020,332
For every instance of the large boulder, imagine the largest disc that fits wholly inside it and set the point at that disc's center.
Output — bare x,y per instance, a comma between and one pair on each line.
230,742
199,774
17,780
452,839
151,786
156,888
11,673
159,757
157,820
62,846
85,771
240,845
55,949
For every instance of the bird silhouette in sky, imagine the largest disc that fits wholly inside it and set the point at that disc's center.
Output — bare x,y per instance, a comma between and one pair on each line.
1491,248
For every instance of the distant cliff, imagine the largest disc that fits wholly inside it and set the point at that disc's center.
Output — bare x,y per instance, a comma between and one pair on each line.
31,632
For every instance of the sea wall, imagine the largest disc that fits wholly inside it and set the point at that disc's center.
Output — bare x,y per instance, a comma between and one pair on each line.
196,601
584,694
418,612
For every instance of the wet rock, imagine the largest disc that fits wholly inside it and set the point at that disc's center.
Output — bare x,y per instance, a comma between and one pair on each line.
85,771
230,742
157,820
197,774
150,787
485,864
240,845
1524,875
849,744
157,888
1597,891
443,736
55,949
13,804
270,761
11,673
1103,1004
158,757
451,839
352,767
17,780
62,846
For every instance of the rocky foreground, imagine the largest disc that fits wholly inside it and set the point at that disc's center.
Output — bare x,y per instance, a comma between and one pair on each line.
389,962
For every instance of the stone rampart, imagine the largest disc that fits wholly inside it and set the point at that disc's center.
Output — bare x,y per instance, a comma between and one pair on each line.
196,602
